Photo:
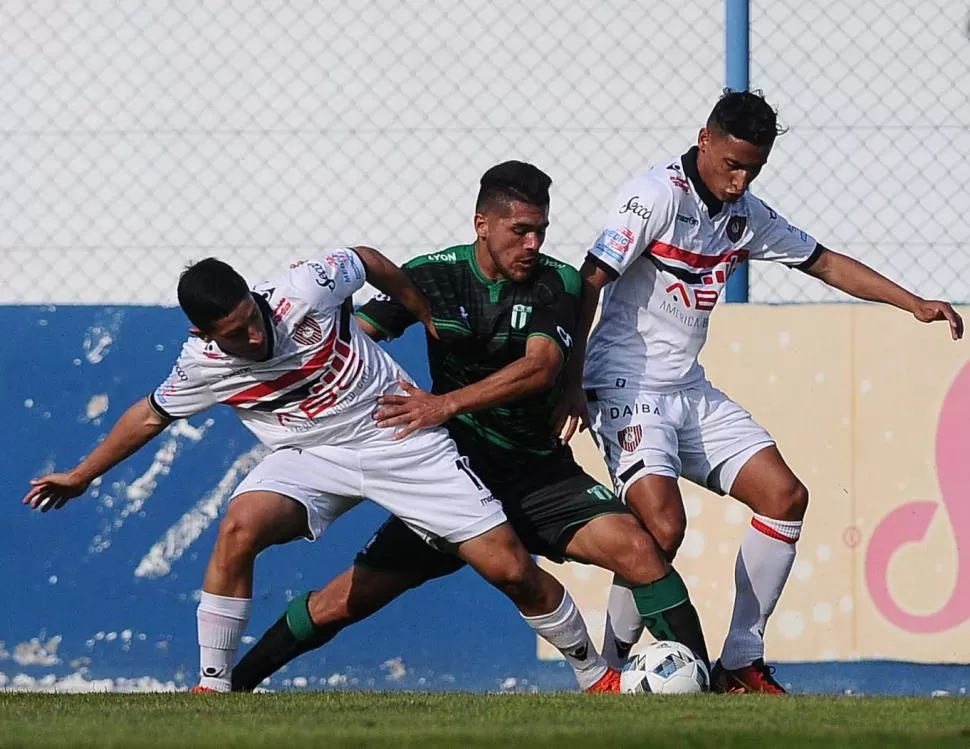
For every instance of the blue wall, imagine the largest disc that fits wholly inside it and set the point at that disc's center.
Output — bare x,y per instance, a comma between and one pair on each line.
71,573
455,632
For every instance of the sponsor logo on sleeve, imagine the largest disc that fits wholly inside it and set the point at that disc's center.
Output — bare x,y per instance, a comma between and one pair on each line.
615,243
634,206
323,277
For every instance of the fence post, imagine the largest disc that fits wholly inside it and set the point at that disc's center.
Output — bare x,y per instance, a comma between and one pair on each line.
736,60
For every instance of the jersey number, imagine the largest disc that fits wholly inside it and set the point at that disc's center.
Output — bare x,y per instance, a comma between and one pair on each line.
462,465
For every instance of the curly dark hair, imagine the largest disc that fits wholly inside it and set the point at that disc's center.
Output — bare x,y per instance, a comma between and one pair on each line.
747,116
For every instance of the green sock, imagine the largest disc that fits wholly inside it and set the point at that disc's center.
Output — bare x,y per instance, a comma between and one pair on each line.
668,613
298,617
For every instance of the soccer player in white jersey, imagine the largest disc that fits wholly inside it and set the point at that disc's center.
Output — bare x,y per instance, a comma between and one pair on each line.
292,362
672,238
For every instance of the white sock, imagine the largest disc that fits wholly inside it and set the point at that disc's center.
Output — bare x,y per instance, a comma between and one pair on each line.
624,625
565,630
760,572
222,621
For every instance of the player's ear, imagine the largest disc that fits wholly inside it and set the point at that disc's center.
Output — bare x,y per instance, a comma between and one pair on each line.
703,138
481,226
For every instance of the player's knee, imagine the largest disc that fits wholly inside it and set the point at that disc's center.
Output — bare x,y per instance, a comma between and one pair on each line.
788,502
238,540
669,533
641,560
517,577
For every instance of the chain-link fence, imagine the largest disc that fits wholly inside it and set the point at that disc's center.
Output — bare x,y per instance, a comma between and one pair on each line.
139,135
877,96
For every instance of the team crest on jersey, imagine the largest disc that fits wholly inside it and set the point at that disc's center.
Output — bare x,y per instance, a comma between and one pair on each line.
629,437
735,227
520,315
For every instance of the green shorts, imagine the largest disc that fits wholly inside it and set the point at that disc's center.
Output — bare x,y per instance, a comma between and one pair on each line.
545,509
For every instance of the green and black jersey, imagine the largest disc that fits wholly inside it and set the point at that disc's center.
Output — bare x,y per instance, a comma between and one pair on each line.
483,326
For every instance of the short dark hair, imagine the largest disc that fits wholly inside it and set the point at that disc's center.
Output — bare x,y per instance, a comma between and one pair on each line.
747,116
209,290
513,180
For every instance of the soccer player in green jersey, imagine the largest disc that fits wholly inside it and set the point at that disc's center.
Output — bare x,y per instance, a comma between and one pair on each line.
505,316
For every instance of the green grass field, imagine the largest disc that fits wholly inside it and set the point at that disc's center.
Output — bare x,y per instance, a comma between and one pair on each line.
562,721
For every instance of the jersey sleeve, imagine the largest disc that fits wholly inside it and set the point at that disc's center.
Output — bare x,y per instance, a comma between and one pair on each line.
387,315
777,239
641,213
186,391
556,319
329,278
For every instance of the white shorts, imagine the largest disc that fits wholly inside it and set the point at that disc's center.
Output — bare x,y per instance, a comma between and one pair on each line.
698,433
422,480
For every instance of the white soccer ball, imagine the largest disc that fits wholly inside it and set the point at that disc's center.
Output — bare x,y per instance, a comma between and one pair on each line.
664,668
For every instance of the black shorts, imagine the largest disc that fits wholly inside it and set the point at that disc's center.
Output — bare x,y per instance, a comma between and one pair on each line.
545,508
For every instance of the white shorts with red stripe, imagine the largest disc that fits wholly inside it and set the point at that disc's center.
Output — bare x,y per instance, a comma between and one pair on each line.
698,433
422,479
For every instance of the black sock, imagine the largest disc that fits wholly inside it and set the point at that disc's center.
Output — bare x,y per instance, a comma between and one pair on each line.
279,645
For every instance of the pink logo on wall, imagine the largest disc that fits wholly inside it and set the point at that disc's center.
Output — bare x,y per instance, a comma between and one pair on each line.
910,522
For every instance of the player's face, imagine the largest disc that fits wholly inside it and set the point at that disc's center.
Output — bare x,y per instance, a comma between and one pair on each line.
242,332
728,165
513,238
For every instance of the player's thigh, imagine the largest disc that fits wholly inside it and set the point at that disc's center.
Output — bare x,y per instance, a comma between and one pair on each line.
548,518
767,485
258,519
619,543
636,434
425,482
397,551
499,556
718,438
319,489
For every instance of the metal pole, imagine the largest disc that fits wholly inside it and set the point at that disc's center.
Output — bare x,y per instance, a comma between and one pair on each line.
736,58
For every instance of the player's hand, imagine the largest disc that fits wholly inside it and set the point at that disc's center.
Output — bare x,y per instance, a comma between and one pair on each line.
933,310
53,491
416,410
570,414
429,326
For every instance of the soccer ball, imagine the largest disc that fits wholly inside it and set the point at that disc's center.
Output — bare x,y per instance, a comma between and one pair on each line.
664,668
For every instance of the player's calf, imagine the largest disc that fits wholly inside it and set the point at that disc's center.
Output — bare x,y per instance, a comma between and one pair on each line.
312,620
500,558
656,595
254,521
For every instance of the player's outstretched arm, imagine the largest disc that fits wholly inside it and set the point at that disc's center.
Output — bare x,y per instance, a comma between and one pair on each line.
861,281
570,412
136,427
532,373
385,276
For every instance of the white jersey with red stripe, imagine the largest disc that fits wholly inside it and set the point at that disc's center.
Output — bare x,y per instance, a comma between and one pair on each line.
323,375
673,247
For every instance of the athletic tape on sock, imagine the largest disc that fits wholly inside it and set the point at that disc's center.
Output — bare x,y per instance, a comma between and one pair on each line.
298,617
